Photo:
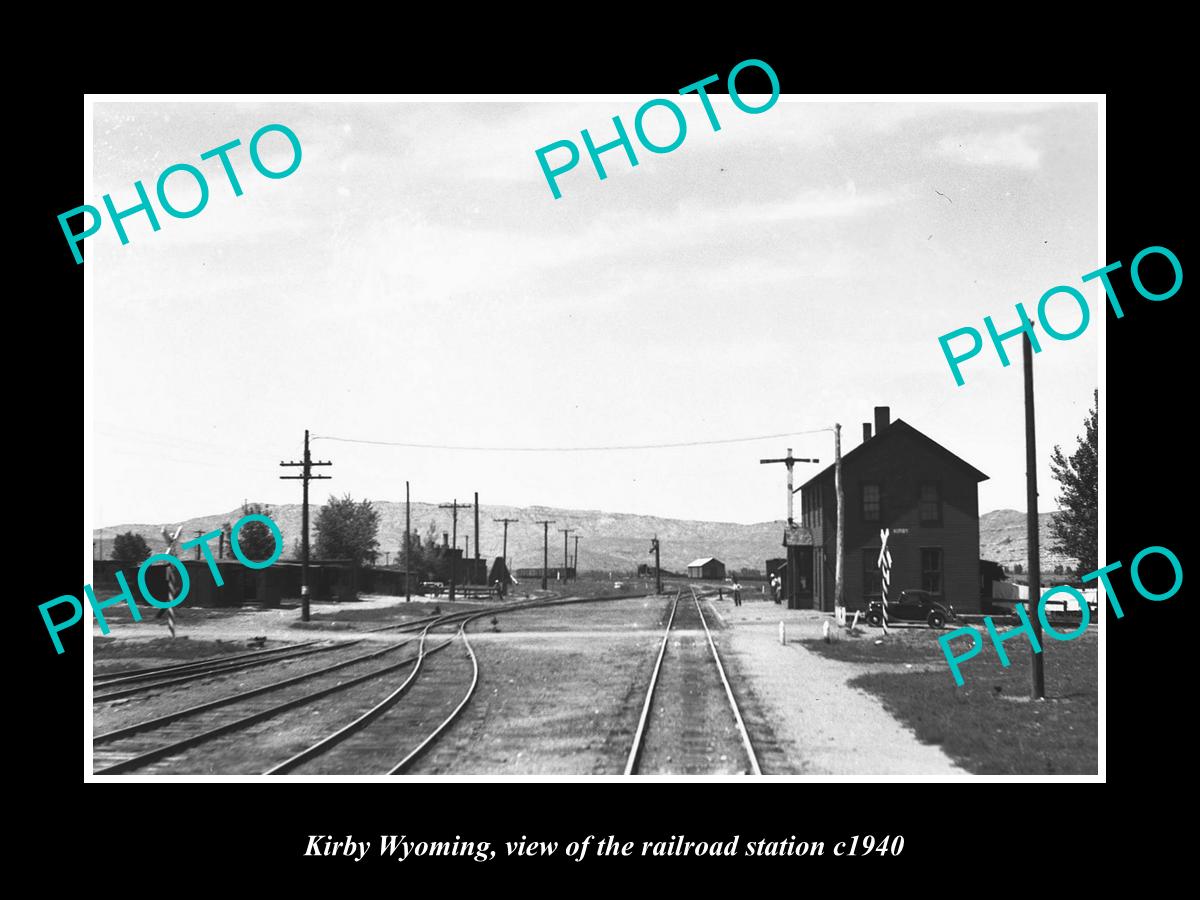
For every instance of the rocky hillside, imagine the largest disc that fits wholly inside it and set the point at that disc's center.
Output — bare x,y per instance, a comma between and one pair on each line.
1002,540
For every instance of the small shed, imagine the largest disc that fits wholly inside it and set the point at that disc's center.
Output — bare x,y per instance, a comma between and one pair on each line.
707,567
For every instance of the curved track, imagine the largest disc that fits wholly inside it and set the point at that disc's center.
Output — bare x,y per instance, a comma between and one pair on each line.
149,742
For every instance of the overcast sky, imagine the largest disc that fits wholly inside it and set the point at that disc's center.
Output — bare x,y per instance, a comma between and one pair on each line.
415,281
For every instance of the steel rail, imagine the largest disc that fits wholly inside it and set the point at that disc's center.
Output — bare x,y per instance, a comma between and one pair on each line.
187,743
737,715
465,616
109,678
636,750
159,721
558,600
213,672
412,756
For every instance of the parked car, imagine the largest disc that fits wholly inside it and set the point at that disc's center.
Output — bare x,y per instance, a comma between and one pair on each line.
432,587
617,585
912,606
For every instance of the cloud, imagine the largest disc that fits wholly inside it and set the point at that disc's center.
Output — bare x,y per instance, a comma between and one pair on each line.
408,253
1012,148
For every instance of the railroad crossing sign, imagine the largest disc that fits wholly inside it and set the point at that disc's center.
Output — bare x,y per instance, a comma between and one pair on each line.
885,570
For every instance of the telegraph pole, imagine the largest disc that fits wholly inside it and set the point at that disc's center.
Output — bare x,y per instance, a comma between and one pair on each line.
1038,686
453,506
407,546
545,523
467,559
657,569
565,532
475,568
306,477
575,559
199,533
838,585
504,553
790,461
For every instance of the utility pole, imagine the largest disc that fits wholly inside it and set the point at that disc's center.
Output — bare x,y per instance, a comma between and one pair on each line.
504,552
476,566
545,523
407,546
657,569
306,477
467,558
839,599
575,559
199,533
565,532
453,506
1038,686
789,461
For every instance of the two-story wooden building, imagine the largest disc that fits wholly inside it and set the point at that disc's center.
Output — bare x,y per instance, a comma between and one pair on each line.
904,481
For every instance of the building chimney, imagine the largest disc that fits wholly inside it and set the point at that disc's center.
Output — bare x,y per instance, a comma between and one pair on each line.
883,418
866,431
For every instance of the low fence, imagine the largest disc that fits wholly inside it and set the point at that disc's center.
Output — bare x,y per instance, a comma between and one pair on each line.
1063,601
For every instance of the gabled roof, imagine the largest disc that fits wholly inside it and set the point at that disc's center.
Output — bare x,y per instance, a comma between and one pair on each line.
702,561
896,428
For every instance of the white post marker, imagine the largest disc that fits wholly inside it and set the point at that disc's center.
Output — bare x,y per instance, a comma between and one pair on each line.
885,569
854,624
782,634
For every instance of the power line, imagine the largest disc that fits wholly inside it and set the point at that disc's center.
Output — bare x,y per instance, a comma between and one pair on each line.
737,440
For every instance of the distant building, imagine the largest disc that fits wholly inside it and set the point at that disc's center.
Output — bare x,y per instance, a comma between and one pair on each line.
904,481
553,573
708,567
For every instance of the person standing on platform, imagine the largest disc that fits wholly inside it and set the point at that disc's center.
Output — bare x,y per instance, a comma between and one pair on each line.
737,593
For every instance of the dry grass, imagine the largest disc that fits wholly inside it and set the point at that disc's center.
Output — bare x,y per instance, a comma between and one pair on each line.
989,725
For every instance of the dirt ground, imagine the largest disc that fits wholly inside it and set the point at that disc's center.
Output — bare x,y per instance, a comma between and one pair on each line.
827,726
560,691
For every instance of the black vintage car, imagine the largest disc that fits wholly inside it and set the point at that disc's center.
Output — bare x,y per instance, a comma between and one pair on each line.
912,606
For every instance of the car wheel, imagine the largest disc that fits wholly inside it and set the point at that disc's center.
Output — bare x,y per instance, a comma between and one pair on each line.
936,620
875,619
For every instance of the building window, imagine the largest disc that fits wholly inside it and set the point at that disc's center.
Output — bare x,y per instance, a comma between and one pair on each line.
931,503
931,569
872,576
871,503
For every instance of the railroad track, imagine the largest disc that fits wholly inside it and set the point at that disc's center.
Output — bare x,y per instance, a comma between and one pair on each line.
130,684
379,735
148,743
353,746
684,728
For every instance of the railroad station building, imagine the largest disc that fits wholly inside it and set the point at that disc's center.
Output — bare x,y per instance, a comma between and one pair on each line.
900,479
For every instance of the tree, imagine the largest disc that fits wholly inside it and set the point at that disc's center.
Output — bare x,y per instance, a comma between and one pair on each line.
347,529
1076,526
130,548
255,538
